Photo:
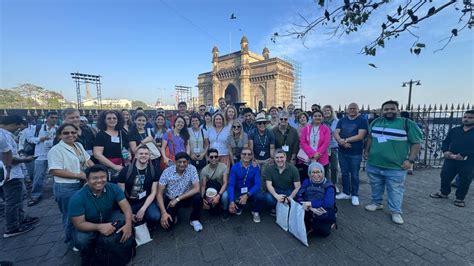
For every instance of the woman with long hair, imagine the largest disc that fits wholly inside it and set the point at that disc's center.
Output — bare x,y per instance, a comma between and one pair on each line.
67,162
111,144
314,140
138,134
236,141
230,115
127,122
218,135
330,121
199,143
159,129
175,140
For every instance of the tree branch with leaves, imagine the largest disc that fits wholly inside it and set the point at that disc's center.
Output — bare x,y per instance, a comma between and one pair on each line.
347,17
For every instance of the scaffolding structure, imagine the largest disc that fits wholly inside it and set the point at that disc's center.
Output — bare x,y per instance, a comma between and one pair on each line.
297,76
80,79
183,94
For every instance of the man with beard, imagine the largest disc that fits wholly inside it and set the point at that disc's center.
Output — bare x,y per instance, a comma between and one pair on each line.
392,146
458,149
249,123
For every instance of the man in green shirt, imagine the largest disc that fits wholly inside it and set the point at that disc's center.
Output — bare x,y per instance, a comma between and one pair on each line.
215,175
286,138
282,180
392,146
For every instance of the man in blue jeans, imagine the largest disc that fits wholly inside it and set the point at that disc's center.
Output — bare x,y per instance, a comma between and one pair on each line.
244,185
282,181
391,149
43,138
350,133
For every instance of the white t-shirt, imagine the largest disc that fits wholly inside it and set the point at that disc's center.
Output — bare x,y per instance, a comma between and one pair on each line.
8,143
63,157
219,141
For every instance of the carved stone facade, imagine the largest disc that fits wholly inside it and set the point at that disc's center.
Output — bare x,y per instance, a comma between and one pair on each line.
244,76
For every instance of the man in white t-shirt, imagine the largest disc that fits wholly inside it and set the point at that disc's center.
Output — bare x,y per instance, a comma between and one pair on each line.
16,221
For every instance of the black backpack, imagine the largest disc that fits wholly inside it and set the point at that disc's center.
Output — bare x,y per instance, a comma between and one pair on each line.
29,148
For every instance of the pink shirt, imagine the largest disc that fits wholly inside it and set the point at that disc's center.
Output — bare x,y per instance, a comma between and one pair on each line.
323,143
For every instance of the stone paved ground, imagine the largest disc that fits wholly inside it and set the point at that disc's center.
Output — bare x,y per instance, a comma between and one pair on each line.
435,232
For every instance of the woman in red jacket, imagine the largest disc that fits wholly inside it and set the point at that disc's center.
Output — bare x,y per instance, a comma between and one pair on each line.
314,141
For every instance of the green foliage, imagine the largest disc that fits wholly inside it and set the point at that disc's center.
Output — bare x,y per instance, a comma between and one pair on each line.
136,104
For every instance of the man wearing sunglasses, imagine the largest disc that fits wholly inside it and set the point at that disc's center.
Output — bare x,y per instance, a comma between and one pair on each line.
262,143
286,138
244,185
214,175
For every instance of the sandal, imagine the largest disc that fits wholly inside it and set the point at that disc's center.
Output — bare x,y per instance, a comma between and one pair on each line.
459,203
438,195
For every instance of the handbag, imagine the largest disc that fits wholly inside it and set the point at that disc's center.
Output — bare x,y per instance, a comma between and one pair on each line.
302,156
142,235
154,152
282,214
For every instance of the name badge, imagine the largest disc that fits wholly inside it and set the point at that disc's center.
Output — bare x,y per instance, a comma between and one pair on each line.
142,195
115,139
262,153
197,150
285,148
382,139
244,190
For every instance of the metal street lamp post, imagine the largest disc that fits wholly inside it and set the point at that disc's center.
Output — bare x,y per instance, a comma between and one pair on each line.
410,84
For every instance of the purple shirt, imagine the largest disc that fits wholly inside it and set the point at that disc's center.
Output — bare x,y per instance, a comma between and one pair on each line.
176,144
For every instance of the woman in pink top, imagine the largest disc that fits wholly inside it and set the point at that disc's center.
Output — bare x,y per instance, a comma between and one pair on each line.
314,140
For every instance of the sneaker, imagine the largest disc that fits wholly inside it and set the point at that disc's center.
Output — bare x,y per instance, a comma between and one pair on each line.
343,195
75,249
239,211
19,231
397,218
273,213
196,225
355,200
225,216
373,207
256,217
30,221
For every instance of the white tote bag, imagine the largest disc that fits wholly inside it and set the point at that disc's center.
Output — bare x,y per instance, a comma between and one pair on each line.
142,235
282,212
296,222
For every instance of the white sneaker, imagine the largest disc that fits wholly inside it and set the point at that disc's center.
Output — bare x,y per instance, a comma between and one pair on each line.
373,207
75,249
355,200
196,225
397,218
342,195
256,217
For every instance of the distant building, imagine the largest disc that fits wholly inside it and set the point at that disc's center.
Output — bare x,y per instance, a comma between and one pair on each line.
108,103
244,76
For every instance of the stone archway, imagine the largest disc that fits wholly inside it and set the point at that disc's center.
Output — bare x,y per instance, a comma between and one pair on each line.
259,98
231,95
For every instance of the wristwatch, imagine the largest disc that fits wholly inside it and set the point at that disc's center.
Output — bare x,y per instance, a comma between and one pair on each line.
177,199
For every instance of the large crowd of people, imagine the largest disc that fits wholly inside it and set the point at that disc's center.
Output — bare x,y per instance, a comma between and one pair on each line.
126,168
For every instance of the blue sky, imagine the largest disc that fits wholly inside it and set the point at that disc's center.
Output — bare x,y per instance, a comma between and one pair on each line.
142,45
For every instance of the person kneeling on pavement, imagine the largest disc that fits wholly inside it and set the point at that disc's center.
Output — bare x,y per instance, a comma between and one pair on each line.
282,181
178,188
317,195
244,185
97,225
139,181
214,185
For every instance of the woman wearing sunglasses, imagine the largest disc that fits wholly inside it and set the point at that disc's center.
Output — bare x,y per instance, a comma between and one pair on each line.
67,161
218,138
236,141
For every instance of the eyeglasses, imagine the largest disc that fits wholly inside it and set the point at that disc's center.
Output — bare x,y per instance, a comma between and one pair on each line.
283,119
235,126
202,110
69,132
261,123
246,154
111,118
213,157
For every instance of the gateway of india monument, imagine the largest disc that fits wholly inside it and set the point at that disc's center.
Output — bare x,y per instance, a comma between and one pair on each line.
245,76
